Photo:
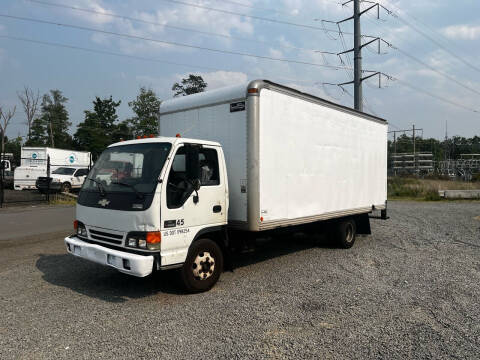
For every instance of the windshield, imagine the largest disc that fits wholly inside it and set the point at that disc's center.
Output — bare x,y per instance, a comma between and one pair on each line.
64,171
128,168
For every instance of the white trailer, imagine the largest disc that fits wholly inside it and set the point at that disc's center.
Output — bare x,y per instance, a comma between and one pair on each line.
232,164
33,164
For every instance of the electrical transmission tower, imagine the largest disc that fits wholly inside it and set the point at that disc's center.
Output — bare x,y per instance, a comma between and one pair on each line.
357,49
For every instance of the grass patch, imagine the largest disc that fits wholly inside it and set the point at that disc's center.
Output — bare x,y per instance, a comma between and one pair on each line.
424,189
60,199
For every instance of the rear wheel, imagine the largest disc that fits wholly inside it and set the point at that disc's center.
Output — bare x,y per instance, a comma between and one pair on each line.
66,187
203,266
345,232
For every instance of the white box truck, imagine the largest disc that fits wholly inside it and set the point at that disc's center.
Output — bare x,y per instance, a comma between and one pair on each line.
232,164
33,164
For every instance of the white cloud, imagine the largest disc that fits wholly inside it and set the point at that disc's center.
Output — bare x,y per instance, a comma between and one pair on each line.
95,5
463,32
218,79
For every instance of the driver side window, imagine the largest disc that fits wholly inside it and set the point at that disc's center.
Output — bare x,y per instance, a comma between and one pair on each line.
179,188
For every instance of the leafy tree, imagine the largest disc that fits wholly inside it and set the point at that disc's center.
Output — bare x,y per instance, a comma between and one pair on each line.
55,116
191,85
146,107
99,128
38,133
14,146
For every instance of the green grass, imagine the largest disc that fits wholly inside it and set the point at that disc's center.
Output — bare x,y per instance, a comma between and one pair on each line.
410,188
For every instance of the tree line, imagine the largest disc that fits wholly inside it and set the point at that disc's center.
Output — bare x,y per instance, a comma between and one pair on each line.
450,148
48,121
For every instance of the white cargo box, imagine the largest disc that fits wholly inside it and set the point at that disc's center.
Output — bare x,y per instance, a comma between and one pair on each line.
291,157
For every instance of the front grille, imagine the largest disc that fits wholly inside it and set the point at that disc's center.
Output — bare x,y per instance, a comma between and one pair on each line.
42,181
106,237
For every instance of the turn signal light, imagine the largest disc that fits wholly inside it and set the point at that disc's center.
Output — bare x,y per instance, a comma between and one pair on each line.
252,91
75,225
178,135
154,237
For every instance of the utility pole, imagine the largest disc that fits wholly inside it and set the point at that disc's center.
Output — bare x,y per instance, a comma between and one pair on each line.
357,49
357,57
414,150
394,152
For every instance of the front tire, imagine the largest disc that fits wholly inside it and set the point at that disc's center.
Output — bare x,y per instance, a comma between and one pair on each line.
66,187
345,232
203,266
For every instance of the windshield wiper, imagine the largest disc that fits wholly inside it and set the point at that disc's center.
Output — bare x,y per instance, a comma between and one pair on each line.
99,185
139,194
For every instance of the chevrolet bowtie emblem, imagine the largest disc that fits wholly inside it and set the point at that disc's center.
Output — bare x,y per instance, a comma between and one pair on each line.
104,202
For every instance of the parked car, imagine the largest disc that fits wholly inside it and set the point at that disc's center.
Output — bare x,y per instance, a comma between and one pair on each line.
63,179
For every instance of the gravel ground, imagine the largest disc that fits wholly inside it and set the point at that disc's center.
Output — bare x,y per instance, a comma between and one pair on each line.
411,290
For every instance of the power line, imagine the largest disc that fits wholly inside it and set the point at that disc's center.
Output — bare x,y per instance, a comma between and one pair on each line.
425,25
124,17
105,52
173,43
394,14
253,7
244,15
421,62
445,75
110,53
403,82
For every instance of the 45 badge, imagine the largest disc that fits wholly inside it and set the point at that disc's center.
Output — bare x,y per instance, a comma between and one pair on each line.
173,223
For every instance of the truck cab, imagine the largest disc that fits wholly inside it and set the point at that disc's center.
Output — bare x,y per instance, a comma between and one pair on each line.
155,203
5,165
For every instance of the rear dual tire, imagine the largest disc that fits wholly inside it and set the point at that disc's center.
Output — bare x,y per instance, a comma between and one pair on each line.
203,266
344,233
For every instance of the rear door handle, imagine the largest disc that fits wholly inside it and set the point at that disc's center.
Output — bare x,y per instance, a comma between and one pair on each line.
217,208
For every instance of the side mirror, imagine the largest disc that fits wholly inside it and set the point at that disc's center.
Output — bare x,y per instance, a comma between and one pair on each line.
196,184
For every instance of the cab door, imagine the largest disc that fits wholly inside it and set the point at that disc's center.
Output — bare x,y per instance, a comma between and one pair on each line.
186,211
79,177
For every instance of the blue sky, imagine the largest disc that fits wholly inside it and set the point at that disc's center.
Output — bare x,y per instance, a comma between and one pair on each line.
83,75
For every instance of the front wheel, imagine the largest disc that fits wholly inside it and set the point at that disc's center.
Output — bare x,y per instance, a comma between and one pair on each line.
203,266
66,187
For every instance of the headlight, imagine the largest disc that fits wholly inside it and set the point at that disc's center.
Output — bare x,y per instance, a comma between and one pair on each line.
81,229
144,240
132,242
56,180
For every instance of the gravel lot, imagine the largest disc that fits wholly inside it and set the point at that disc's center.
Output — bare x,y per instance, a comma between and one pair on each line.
411,290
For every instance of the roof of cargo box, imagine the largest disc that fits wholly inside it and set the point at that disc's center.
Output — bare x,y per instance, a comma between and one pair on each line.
220,95
239,92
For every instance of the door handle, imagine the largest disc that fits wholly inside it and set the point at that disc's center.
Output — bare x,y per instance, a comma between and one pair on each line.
217,208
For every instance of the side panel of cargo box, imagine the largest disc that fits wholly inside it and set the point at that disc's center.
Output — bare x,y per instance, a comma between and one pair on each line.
316,161
226,124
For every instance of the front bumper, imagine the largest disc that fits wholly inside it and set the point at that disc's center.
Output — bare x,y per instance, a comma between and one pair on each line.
54,186
132,264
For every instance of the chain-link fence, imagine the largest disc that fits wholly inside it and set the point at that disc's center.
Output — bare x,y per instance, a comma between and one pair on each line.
10,196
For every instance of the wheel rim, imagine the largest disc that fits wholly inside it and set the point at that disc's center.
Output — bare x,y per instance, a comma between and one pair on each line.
349,233
203,266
